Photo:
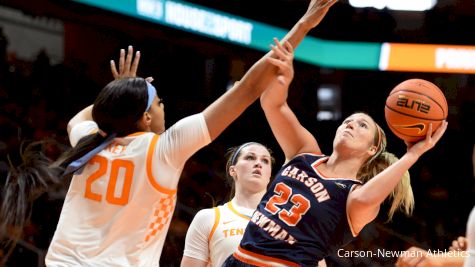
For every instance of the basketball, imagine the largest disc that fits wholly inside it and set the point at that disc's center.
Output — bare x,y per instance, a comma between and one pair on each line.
411,106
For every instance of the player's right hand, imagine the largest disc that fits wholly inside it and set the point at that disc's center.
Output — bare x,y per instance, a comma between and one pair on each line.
317,9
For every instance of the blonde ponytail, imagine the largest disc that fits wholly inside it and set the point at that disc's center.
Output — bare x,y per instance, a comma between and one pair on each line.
401,196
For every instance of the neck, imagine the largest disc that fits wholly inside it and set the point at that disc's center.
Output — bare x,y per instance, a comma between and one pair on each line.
337,166
247,199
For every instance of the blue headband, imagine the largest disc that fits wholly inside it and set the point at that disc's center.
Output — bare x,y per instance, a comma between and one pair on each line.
236,153
76,166
152,92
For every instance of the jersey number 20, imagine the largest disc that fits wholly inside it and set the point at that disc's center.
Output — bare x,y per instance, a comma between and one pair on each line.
115,165
283,194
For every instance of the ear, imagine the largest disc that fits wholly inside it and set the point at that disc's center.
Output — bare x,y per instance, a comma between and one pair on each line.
145,121
147,118
372,150
232,171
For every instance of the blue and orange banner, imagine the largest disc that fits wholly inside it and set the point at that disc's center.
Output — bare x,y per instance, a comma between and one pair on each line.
324,53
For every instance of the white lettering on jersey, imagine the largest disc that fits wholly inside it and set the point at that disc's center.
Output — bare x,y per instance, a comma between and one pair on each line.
272,228
317,188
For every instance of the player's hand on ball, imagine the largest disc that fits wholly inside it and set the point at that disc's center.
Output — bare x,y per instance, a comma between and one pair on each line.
429,142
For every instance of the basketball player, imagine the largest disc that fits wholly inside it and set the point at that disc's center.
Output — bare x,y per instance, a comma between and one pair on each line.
215,233
317,203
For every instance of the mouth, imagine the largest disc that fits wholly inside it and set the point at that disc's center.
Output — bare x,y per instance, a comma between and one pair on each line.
348,133
256,172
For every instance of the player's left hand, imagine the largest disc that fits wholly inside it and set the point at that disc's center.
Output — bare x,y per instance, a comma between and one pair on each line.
429,142
283,58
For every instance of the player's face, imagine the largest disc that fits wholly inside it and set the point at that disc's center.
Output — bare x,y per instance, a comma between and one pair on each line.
157,111
253,168
356,134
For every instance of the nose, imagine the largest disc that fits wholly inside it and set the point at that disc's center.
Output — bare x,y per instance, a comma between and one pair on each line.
350,125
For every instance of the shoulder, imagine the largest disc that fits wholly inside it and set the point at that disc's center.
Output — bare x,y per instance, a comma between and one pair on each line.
205,212
186,136
205,215
192,121
203,222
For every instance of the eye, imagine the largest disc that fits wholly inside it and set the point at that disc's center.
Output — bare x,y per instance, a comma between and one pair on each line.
266,161
161,102
346,121
249,157
364,125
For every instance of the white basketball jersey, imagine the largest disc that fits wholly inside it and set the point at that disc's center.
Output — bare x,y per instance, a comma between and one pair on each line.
216,233
227,234
118,209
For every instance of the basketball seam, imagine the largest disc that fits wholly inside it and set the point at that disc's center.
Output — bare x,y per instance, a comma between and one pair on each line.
412,116
437,103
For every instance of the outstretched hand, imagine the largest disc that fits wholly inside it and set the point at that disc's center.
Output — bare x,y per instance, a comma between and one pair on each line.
127,67
283,60
317,9
429,142
282,57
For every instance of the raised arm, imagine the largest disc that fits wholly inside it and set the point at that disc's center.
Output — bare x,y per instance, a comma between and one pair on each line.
363,203
231,104
292,137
